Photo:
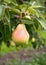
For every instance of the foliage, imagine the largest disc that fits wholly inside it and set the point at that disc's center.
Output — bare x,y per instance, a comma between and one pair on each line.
31,13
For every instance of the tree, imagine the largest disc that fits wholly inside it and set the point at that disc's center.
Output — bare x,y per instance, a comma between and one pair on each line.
29,12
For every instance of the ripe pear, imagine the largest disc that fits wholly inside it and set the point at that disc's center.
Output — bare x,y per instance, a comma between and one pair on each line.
20,34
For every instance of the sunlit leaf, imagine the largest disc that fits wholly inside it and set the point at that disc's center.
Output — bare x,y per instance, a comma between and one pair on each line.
37,6
2,12
33,11
8,1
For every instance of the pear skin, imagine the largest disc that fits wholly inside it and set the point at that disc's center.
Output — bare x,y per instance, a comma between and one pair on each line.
20,34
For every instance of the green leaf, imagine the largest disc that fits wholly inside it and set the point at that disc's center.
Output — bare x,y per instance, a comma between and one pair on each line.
8,1
27,21
33,11
15,10
2,11
37,6
42,23
43,33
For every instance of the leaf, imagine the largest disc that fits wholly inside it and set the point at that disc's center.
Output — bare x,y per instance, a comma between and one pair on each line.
42,23
15,10
26,21
8,1
33,11
43,33
2,12
7,16
37,6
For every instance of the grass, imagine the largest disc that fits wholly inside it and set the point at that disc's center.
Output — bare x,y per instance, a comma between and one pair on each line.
4,49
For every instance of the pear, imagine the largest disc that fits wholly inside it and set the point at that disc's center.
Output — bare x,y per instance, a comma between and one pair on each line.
12,43
33,39
20,34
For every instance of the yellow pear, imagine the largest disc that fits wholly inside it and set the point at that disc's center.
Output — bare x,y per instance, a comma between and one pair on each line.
33,39
20,34
12,43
